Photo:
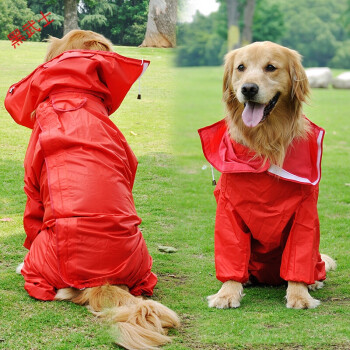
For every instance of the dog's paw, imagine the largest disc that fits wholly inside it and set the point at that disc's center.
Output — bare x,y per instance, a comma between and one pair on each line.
223,301
297,302
248,283
298,297
315,286
19,268
229,296
330,264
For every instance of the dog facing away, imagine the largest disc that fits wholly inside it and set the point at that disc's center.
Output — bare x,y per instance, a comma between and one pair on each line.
81,224
267,227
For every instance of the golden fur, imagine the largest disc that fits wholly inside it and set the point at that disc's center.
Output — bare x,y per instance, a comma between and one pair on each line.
140,324
271,137
77,40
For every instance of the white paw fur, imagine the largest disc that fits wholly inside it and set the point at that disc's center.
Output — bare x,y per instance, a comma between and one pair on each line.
315,286
330,264
229,296
19,268
298,296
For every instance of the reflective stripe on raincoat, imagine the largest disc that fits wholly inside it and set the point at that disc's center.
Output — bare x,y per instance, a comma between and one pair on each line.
267,225
80,218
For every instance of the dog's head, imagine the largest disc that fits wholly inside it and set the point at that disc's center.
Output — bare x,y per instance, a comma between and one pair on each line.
264,87
77,40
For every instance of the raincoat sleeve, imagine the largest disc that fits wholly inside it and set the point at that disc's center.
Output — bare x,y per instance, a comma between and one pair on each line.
34,210
232,239
33,215
301,260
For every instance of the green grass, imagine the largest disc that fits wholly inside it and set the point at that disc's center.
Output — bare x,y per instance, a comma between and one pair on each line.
173,196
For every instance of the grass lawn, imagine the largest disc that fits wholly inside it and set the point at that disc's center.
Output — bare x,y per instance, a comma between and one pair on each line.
173,196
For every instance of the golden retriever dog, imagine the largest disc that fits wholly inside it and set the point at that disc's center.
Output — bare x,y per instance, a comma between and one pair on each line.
264,87
140,323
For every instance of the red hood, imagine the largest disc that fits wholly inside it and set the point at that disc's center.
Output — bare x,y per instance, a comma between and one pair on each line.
105,74
302,163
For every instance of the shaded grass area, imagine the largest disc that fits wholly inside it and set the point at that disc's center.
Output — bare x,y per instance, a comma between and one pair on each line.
173,196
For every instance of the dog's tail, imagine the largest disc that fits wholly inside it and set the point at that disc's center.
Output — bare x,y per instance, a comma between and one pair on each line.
138,324
330,264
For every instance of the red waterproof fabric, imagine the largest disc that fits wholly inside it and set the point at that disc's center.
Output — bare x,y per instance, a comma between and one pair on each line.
267,223
80,219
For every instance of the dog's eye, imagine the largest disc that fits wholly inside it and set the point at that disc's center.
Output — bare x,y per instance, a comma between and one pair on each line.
241,68
270,68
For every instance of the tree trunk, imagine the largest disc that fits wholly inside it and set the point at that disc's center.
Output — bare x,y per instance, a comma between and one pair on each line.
161,24
70,16
233,34
247,34
235,38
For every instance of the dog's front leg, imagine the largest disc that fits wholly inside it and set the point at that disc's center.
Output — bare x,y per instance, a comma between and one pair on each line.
229,296
298,296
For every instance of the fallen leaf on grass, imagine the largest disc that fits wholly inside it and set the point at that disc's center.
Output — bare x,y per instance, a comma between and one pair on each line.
166,249
6,219
133,133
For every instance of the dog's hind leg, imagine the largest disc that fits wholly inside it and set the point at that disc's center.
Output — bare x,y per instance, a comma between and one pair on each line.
329,262
67,294
229,296
330,265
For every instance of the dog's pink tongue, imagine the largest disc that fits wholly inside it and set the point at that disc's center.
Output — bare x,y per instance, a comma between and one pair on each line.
252,114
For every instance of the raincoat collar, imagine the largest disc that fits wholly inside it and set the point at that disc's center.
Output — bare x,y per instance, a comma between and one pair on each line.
105,74
302,163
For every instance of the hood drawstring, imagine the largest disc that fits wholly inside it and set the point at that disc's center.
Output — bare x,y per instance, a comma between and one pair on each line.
213,177
144,65
139,95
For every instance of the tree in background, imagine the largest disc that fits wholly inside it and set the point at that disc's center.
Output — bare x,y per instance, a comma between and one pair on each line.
122,21
70,16
240,22
268,22
63,12
161,24
57,14
15,13
248,14
203,42
233,33
317,29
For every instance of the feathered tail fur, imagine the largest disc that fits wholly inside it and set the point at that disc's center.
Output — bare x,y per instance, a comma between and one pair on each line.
140,324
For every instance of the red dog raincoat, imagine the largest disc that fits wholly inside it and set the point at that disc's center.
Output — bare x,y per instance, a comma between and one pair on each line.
267,224
80,219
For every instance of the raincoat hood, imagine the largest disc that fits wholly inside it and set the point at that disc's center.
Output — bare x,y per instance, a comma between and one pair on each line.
107,75
302,163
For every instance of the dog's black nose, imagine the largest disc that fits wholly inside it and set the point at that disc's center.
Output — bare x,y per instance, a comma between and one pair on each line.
249,90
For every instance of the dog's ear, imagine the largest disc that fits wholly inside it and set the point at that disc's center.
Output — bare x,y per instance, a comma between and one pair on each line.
53,48
300,83
98,45
227,88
